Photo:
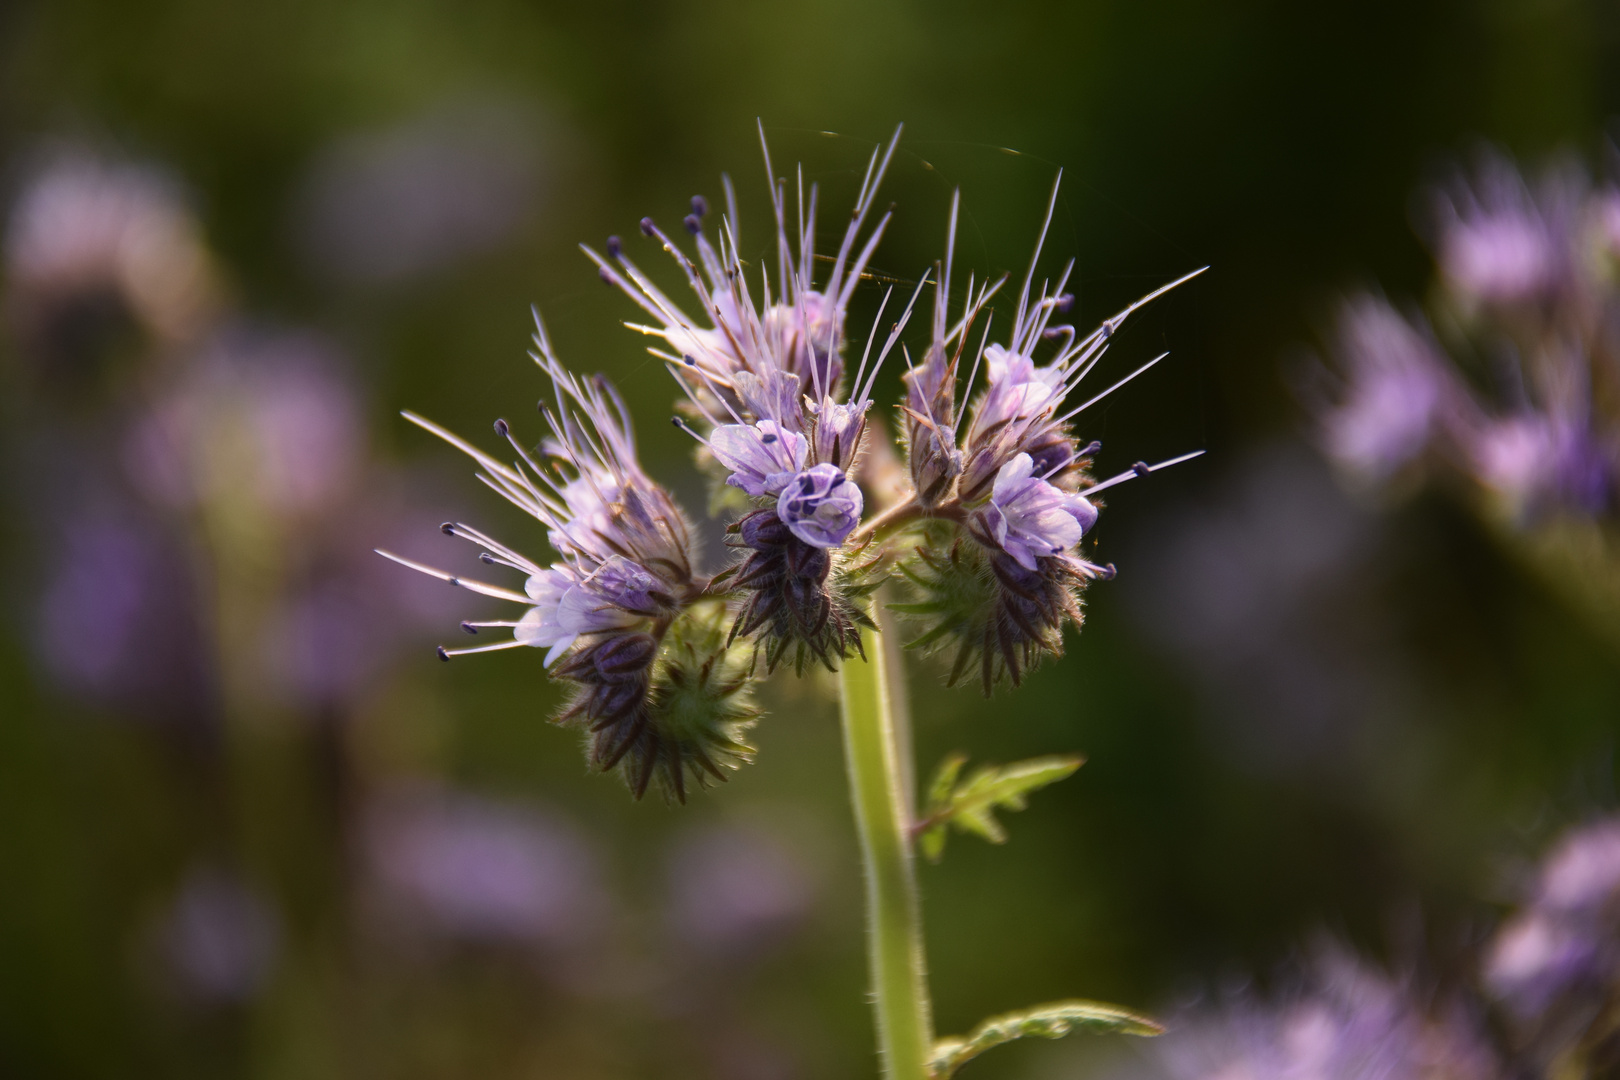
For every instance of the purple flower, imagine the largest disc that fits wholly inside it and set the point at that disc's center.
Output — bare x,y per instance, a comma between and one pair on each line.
85,228
1497,242
821,506
624,545
481,870
1561,953
1395,386
795,328
1347,1022
762,457
1029,518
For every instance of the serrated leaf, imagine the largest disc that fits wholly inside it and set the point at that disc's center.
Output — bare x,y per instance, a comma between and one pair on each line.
970,806
1051,1021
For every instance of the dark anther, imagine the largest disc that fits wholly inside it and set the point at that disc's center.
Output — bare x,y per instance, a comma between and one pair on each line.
1064,302
615,246
693,223
501,428
647,226
700,205
443,655
676,421
454,581
1091,448
605,274
1107,329
486,558
1140,468
691,361
448,528
767,438
468,627
1109,572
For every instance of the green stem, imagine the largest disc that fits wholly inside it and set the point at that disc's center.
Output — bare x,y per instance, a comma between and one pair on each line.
882,817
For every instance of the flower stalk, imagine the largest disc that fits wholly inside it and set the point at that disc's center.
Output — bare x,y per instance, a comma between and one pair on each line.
883,820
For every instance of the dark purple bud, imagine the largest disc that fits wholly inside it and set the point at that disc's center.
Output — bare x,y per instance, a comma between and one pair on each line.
647,226
700,205
628,654
615,246
808,562
442,654
763,529
448,528
501,428
468,627
693,223
1140,468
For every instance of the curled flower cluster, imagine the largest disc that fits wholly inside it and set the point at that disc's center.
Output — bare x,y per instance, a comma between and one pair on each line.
660,656
1512,383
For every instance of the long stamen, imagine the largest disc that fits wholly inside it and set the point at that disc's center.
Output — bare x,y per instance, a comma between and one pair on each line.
1139,469
465,583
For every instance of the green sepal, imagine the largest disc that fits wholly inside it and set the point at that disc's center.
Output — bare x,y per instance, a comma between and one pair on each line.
971,805
1051,1021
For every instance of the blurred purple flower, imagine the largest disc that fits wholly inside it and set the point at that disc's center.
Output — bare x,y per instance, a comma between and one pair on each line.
87,231
734,890
1347,1023
267,416
116,622
1395,384
1561,953
474,869
392,205
1497,242
220,938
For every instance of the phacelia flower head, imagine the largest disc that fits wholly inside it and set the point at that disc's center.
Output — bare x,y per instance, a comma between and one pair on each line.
619,595
662,657
1000,583
757,355
1513,390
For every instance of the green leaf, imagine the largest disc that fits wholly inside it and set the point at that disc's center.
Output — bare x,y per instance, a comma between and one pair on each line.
970,806
1050,1021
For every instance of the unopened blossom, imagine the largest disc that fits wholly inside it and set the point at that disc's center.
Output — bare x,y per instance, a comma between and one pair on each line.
820,506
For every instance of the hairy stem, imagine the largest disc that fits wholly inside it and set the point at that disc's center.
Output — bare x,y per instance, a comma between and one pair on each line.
882,817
